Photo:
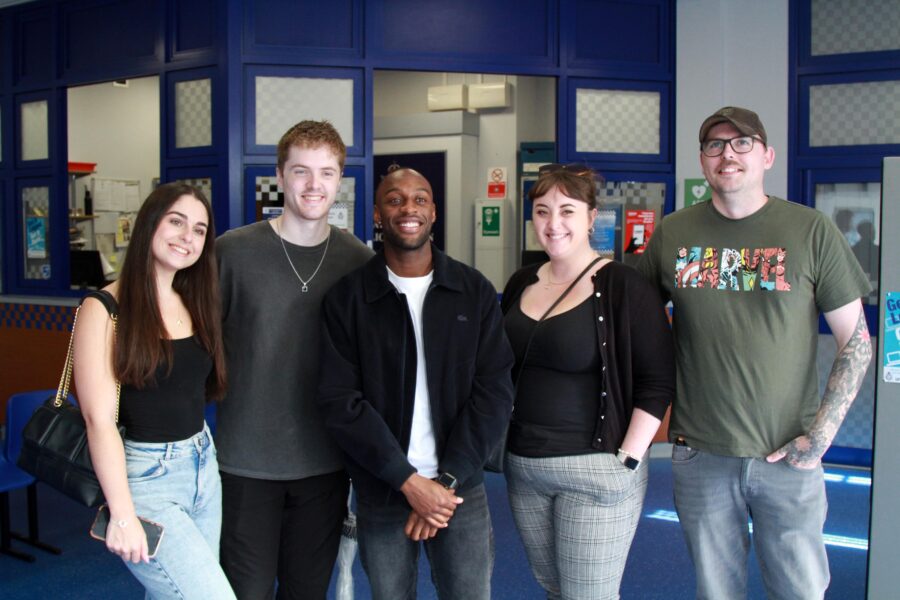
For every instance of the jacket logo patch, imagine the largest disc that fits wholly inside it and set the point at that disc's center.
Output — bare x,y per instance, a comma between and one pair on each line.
462,318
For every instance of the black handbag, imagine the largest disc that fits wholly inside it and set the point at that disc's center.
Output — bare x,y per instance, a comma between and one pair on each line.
54,441
494,461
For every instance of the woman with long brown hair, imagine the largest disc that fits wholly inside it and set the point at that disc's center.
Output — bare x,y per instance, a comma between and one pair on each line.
166,352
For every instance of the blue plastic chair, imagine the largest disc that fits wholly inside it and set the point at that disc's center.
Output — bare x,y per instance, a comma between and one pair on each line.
19,409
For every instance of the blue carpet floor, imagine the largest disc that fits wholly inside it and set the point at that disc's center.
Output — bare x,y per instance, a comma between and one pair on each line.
658,567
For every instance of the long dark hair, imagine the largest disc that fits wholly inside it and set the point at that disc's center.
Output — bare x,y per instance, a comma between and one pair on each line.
141,344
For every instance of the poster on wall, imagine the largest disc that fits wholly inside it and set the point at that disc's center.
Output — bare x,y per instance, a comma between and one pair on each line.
496,187
638,229
36,237
891,358
603,239
123,230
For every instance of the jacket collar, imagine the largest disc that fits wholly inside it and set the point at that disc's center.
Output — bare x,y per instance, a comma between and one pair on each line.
376,284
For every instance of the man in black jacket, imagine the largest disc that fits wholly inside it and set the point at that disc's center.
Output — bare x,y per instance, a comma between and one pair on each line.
415,388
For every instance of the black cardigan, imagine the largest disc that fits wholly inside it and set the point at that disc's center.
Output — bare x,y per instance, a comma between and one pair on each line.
635,344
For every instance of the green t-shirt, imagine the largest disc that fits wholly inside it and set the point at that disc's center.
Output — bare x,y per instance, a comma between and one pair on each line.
746,295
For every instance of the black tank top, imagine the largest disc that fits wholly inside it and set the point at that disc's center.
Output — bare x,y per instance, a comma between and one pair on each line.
559,386
173,409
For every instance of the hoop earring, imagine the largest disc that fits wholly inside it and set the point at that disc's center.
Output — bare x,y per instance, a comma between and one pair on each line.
591,230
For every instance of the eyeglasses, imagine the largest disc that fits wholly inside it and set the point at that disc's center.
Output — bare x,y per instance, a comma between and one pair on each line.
577,169
741,145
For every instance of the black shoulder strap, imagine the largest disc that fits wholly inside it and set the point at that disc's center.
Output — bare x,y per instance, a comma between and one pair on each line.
108,300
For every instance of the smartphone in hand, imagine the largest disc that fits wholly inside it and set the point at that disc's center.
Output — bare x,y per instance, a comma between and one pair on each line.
153,531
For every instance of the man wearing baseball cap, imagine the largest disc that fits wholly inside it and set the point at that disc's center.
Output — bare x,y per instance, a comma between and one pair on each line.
748,275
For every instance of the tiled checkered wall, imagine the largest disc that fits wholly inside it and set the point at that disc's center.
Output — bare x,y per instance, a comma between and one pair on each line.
281,102
617,121
854,114
633,193
36,316
193,113
267,192
847,26
203,183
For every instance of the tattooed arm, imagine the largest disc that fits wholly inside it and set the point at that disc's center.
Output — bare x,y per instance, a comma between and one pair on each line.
848,325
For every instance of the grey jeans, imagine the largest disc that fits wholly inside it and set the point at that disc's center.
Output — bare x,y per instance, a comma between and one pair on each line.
715,495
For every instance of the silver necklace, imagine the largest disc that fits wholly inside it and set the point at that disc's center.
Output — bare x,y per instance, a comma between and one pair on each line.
305,284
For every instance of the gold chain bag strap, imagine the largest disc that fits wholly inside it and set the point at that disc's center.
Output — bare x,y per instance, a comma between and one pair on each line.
54,441
65,379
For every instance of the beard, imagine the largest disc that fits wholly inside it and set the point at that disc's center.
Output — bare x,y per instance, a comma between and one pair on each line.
391,237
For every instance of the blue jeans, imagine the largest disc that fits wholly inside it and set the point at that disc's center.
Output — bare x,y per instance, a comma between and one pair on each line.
577,516
176,484
461,556
715,496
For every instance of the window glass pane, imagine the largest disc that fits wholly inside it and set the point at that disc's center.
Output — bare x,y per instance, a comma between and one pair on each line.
854,114
193,113
36,231
617,121
854,207
281,102
35,127
847,26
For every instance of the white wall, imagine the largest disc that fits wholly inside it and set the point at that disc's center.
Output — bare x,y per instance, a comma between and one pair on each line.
117,128
531,117
731,52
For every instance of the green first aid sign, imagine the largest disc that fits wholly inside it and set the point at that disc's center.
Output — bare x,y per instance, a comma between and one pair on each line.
696,190
490,221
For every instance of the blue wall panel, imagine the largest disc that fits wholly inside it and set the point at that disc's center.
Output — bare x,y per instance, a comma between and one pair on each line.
332,28
109,35
34,47
620,35
504,31
193,27
5,47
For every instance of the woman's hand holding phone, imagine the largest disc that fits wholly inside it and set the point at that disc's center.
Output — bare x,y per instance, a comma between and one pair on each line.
133,539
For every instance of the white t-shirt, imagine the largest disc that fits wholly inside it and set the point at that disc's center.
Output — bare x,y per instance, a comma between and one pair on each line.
422,453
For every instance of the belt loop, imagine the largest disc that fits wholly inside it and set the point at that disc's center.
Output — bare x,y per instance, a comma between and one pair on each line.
170,447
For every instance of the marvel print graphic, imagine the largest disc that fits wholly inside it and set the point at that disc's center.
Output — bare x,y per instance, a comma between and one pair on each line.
731,269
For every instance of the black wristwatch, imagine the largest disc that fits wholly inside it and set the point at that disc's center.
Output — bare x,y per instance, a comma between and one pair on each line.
628,460
447,480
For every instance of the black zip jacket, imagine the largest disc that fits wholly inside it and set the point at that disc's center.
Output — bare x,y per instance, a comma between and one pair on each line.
368,374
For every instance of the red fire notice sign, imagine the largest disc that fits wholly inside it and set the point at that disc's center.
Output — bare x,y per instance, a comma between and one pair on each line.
496,187
638,229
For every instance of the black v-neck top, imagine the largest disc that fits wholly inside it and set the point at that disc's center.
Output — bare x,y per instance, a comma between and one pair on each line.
559,383
173,409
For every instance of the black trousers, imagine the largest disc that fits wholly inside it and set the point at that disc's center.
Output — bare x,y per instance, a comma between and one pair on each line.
289,530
